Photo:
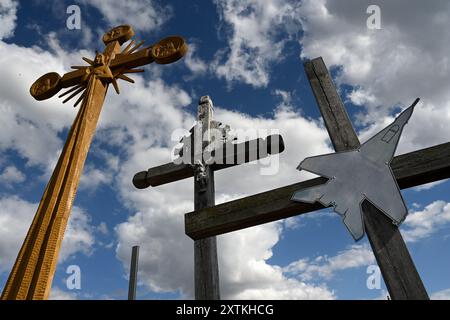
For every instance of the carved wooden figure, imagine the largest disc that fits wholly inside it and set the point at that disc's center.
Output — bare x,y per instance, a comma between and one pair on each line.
33,271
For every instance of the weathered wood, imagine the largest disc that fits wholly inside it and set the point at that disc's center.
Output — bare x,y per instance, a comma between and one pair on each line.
206,268
205,250
133,273
171,172
398,270
343,136
410,170
400,275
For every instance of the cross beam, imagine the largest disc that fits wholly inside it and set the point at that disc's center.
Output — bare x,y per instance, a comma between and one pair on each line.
171,172
410,169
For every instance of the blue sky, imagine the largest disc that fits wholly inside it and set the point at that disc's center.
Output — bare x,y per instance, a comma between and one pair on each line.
248,56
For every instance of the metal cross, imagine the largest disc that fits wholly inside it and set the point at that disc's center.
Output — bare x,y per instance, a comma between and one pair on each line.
357,175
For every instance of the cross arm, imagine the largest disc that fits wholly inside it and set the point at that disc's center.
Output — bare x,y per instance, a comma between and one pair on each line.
137,59
411,169
171,172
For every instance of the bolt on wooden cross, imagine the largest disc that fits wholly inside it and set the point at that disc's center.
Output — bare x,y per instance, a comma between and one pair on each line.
208,148
411,169
33,271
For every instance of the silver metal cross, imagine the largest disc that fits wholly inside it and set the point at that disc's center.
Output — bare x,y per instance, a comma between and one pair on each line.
360,174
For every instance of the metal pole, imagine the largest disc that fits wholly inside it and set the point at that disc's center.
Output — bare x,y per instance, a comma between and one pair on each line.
133,273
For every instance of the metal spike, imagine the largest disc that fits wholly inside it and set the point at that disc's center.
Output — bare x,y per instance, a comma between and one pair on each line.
133,70
136,47
124,77
125,51
74,94
71,90
88,61
116,85
80,99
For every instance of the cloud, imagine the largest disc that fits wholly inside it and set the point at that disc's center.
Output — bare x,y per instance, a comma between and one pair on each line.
59,294
79,236
422,224
16,216
253,31
92,178
103,228
417,226
430,185
325,267
196,65
146,15
441,295
11,175
8,17
246,274
386,67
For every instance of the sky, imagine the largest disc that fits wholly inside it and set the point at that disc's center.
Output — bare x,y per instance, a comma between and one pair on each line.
248,57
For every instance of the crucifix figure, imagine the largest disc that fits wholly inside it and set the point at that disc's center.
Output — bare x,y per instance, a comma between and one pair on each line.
33,271
209,147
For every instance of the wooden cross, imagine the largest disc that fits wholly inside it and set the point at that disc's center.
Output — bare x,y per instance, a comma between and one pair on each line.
229,154
411,169
33,271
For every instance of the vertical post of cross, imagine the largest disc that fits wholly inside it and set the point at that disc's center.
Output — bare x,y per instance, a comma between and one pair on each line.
205,250
133,273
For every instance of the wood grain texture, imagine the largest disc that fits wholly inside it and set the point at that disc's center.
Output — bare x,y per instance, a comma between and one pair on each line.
171,172
33,271
410,170
397,267
206,269
337,122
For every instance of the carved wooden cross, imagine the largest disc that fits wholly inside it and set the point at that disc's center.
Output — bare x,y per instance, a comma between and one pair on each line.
411,169
33,271
226,155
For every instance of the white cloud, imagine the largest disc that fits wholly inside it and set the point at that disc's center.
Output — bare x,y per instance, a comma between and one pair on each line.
57,294
146,15
15,219
11,175
8,17
245,273
387,66
441,295
430,185
79,236
325,267
196,65
92,178
422,224
253,40
103,228
418,225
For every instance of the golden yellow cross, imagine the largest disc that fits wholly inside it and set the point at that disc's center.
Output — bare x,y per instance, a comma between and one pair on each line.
32,274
